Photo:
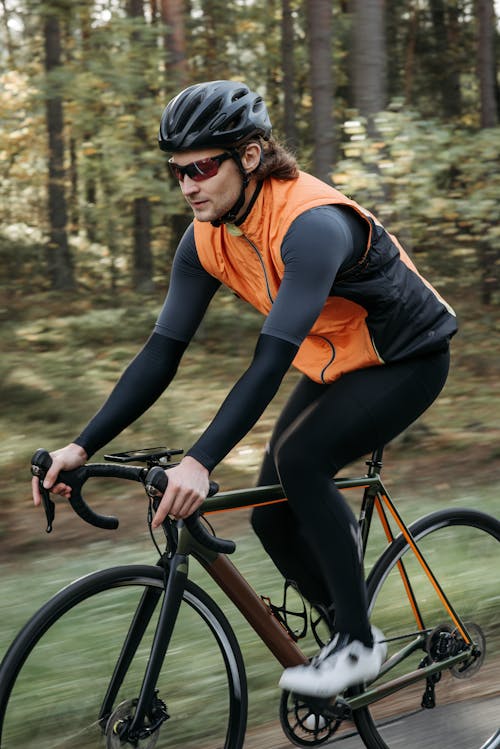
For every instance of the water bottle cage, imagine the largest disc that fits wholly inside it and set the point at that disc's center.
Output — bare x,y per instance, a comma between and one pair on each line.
295,622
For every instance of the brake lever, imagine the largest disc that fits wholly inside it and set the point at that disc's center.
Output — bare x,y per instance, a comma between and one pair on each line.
39,470
49,506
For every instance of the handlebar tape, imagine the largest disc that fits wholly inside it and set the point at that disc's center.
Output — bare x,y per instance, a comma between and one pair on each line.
40,464
156,484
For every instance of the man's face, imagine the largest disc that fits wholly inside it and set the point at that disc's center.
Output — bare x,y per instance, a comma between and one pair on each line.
210,198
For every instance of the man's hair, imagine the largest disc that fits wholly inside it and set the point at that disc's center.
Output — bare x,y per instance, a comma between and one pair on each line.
276,161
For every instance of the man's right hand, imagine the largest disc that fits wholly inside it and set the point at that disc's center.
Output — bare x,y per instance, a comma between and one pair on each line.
66,459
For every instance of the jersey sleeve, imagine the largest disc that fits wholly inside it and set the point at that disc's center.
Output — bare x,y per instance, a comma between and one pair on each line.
246,401
190,291
140,385
319,244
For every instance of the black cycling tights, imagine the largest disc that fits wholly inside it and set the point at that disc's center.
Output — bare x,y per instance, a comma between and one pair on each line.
314,537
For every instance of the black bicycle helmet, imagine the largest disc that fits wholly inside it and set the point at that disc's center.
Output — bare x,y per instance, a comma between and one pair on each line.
212,114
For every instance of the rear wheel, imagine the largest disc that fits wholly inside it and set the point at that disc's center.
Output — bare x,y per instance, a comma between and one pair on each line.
56,684
462,549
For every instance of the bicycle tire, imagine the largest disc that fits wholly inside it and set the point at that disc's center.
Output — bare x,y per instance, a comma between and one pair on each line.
465,543
54,675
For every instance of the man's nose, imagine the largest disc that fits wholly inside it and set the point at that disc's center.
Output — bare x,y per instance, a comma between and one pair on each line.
189,186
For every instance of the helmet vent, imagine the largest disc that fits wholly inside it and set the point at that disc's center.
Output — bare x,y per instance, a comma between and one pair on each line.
232,124
188,112
239,94
205,117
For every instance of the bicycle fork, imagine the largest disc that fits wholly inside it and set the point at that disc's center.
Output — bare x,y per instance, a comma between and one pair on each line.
147,704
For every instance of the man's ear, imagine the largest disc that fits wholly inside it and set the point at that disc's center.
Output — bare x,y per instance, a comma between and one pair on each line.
251,158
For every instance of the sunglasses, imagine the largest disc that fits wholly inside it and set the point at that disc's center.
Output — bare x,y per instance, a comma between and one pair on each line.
199,170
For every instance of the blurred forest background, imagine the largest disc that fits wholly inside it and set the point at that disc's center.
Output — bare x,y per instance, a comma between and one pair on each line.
396,103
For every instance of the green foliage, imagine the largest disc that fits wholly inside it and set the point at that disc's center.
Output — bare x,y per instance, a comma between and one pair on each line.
22,152
434,185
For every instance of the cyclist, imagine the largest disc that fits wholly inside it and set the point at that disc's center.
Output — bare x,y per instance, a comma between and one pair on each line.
342,302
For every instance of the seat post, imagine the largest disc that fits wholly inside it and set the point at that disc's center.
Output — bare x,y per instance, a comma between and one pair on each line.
375,462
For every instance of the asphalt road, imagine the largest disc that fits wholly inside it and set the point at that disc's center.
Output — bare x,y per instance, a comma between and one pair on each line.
449,727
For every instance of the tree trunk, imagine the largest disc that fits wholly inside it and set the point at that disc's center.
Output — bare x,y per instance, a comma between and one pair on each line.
410,52
446,25
320,38
486,63
8,36
59,259
89,212
369,58
172,15
73,175
287,59
142,258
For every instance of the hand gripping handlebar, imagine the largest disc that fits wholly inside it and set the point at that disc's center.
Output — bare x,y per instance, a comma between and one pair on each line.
156,484
40,464
155,481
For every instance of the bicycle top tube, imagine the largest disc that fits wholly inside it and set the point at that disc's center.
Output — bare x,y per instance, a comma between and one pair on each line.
260,495
270,494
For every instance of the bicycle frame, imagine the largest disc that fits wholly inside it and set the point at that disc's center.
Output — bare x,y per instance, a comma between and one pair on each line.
259,615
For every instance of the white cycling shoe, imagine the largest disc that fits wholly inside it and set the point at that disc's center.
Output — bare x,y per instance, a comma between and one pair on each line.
339,665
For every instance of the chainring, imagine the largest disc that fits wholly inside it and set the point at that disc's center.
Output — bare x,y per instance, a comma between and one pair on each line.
307,721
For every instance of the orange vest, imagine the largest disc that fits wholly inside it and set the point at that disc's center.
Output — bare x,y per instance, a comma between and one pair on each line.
248,260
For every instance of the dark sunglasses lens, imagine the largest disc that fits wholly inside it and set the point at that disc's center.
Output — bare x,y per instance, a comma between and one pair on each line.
204,169
176,171
197,170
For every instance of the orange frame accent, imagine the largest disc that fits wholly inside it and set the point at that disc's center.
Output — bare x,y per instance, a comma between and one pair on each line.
409,539
404,577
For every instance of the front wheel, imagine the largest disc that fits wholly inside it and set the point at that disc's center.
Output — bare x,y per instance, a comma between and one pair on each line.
460,707
68,680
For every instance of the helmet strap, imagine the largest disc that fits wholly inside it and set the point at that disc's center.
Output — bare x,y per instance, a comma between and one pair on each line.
230,216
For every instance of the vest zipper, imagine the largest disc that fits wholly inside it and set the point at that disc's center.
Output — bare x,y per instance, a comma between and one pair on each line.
261,261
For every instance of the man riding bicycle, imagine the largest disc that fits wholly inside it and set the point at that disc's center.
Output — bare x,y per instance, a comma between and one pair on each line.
342,302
